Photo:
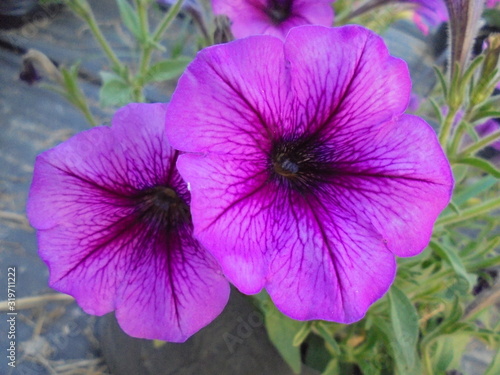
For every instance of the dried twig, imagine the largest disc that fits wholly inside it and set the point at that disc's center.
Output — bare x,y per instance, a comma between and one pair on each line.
30,302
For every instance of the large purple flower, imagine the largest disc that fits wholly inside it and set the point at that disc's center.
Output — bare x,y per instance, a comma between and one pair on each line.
273,17
114,227
306,177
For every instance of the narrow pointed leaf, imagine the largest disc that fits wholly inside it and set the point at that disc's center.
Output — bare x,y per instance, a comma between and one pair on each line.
481,164
282,331
114,91
404,323
129,17
474,190
333,368
494,368
452,258
301,335
323,331
167,69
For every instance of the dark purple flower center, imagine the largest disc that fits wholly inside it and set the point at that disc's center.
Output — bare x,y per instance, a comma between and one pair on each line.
161,205
278,10
300,164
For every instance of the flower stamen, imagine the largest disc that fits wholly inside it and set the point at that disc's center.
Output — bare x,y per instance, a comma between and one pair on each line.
162,203
278,11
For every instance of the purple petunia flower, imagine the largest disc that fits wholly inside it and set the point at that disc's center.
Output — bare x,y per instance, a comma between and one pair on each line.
428,13
114,227
306,177
490,126
273,17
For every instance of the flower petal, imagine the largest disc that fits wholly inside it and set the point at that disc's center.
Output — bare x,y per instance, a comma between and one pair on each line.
314,263
92,168
248,17
344,79
251,17
177,286
234,107
397,177
230,198
315,12
330,266
99,248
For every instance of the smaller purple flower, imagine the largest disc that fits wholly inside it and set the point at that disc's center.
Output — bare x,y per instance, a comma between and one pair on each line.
431,13
492,3
484,129
114,227
490,126
273,17
428,13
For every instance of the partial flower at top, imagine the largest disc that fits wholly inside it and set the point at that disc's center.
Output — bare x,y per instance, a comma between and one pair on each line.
431,13
490,126
273,17
306,177
428,13
114,227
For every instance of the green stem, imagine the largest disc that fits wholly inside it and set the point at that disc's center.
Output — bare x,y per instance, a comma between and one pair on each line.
432,289
367,6
158,34
457,138
167,20
446,128
482,143
98,35
144,26
470,213
427,361
148,45
84,108
477,266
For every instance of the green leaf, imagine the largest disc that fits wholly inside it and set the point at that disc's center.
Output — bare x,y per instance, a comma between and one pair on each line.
489,262
317,356
449,352
443,355
322,329
479,250
459,172
452,258
368,367
470,130
129,17
158,343
474,190
494,367
481,164
332,368
454,207
302,334
282,331
442,80
167,69
70,82
473,66
482,116
437,110
114,91
405,330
